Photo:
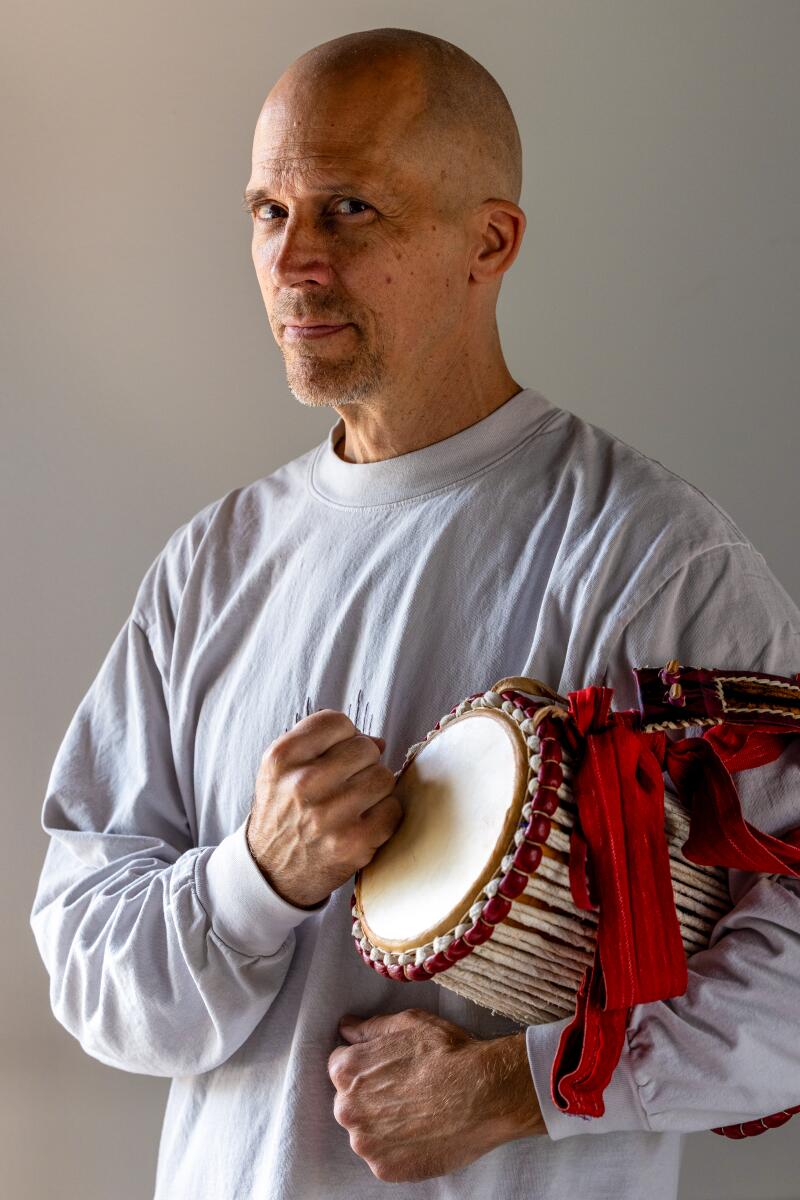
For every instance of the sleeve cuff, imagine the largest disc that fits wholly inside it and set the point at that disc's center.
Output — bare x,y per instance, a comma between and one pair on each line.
246,912
623,1109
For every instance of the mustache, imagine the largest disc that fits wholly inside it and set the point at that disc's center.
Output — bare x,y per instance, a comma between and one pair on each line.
312,318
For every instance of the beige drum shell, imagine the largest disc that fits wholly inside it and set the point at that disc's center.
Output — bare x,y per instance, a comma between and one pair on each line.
532,966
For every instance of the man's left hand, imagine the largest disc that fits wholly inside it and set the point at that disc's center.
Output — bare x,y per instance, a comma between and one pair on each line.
421,1097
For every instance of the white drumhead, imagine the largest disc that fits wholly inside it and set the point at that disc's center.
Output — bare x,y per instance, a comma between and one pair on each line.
462,796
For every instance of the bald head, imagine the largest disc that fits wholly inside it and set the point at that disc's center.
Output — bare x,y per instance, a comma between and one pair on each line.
444,106
383,193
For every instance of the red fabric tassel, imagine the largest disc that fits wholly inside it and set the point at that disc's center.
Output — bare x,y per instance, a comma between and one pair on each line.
719,835
619,863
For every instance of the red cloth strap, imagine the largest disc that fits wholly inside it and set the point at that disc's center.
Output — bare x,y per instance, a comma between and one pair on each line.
636,958
719,835
619,865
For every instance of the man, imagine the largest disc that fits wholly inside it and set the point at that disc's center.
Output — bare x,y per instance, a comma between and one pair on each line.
224,776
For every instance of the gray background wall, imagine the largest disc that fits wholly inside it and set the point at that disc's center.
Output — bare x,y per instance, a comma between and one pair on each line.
656,294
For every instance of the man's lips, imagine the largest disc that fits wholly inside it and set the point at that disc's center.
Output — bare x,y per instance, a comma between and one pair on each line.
297,332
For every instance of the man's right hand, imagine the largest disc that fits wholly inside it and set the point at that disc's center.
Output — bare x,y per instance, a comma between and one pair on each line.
323,805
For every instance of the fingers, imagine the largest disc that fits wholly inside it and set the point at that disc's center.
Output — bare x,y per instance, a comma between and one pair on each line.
361,823
345,762
352,1033
334,748
381,819
347,758
307,831
311,737
345,801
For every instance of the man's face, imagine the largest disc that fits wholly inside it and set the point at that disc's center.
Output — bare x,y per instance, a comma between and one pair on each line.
354,226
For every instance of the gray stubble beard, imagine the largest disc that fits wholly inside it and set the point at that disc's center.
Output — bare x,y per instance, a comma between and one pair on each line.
317,382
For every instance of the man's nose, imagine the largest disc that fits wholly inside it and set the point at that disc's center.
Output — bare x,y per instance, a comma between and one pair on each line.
301,253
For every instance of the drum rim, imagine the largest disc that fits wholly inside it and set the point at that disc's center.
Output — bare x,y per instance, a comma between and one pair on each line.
492,902
505,838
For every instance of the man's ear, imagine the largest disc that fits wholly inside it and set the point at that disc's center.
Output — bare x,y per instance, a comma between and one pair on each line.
502,228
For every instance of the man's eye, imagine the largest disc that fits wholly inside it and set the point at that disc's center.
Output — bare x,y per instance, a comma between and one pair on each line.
262,210
350,200
258,211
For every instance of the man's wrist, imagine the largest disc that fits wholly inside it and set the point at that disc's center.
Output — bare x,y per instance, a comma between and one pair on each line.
512,1109
246,913
306,907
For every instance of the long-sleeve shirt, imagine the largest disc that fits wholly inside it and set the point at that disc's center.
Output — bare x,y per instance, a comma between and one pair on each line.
530,543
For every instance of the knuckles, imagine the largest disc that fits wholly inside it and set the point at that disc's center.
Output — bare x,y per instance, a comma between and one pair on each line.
383,1168
275,756
340,1067
345,1112
316,826
388,1174
409,1016
361,1145
303,780
336,849
336,1063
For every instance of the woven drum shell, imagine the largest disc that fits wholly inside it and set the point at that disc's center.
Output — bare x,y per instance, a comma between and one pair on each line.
531,967
521,946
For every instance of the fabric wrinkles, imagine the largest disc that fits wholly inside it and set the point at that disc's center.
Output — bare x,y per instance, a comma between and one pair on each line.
531,543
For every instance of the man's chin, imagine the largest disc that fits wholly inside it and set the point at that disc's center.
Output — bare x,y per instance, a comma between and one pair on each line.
319,384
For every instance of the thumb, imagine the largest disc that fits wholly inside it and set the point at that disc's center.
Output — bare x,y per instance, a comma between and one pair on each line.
354,1029
363,1029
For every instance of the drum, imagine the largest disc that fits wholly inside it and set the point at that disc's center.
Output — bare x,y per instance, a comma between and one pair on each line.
541,867
473,889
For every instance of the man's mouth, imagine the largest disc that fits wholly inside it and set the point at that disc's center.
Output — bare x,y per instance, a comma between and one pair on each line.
296,333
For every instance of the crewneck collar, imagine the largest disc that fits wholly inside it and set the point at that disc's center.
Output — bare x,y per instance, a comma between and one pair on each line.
430,468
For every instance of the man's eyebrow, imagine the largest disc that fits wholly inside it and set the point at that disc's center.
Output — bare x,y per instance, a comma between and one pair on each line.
253,197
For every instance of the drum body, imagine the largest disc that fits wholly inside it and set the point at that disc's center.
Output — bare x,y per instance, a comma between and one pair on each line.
473,889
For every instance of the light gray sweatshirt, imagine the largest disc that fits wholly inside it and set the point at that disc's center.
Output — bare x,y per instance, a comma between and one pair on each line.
531,543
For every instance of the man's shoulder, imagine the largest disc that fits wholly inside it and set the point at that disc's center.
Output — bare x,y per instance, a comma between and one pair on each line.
217,539
621,486
627,524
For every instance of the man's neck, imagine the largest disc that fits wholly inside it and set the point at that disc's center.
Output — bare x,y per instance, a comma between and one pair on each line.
374,434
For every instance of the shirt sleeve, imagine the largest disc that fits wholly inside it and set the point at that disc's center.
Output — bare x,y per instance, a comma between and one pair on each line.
163,956
725,1051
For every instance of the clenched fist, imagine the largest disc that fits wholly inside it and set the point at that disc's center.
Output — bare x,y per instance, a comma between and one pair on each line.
421,1097
323,805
